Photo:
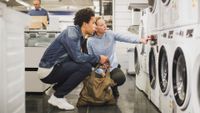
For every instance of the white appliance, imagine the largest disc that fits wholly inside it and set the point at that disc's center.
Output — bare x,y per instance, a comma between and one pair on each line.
178,44
141,59
36,42
12,24
185,72
153,69
185,64
131,62
195,72
165,58
195,96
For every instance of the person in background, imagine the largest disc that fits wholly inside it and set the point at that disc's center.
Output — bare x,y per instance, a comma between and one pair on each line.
38,11
103,43
64,64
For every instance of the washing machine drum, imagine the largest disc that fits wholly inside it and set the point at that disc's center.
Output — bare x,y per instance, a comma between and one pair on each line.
152,69
163,70
179,77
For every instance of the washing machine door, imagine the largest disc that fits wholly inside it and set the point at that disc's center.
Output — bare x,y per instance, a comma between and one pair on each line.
153,5
152,69
163,70
165,2
136,61
179,77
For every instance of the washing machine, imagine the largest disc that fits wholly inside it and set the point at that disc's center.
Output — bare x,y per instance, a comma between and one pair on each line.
195,85
166,50
185,12
185,60
140,82
195,72
153,71
166,20
141,52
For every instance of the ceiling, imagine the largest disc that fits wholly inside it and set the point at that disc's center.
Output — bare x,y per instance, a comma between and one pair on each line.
51,4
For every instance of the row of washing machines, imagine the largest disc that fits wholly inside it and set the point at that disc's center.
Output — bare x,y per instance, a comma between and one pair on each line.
168,67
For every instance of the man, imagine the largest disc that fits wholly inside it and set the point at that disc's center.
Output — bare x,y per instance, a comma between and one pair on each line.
103,42
64,64
38,11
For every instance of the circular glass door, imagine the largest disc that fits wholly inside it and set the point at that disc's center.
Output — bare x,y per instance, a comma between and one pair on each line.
165,2
163,69
152,4
152,69
137,65
179,77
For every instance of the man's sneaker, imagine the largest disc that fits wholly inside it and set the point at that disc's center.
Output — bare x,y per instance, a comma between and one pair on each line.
60,103
50,91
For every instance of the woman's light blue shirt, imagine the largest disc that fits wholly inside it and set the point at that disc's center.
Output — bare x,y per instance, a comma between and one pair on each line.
105,45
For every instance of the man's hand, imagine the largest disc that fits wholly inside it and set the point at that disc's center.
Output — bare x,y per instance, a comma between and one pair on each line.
103,59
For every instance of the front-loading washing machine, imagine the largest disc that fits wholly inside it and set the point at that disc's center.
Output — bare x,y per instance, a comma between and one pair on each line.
185,58
140,54
153,71
166,49
195,97
195,72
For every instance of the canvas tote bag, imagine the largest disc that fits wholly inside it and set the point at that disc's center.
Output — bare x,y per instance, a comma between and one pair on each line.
96,90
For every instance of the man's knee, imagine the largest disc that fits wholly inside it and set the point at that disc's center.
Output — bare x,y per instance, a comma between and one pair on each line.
86,68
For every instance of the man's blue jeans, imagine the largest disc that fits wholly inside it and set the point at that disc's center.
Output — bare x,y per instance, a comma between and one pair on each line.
66,76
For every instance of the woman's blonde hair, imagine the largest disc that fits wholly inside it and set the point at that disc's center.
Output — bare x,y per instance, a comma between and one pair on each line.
97,18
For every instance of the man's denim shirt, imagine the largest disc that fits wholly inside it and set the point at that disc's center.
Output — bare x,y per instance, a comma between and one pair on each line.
66,47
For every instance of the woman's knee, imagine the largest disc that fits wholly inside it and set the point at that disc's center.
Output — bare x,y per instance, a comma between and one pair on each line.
118,76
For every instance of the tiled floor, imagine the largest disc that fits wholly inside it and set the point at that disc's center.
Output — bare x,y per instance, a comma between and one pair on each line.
131,100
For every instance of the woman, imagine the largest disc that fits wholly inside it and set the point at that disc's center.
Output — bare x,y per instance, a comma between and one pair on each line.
103,43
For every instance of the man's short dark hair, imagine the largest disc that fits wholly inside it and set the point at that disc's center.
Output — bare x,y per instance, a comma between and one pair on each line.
83,15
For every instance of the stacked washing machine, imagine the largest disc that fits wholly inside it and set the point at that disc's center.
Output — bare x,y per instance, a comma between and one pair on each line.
170,69
165,58
146,55
141,56
177,53
195,72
